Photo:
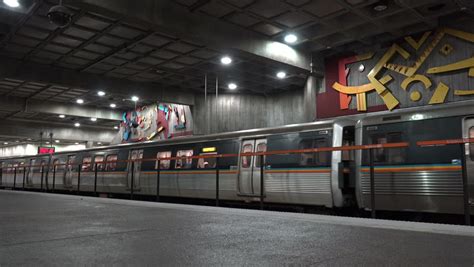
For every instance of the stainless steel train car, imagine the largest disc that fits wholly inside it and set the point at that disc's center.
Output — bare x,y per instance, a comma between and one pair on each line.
413,178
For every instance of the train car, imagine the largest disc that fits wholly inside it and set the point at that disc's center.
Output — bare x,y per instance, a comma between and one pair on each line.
309,179
416,178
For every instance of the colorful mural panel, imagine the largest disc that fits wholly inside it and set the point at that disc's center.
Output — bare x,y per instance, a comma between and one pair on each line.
155,122
407,74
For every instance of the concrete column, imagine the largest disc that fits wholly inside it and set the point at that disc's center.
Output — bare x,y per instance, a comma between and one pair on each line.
309,102
89,144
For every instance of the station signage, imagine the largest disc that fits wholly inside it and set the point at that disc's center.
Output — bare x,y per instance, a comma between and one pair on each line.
46,150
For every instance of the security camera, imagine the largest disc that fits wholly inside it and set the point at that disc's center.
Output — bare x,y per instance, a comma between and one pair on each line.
60,16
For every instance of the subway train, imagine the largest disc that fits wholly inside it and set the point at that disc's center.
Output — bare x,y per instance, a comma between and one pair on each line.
426,179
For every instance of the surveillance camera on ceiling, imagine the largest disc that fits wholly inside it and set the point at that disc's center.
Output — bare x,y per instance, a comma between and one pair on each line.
60,16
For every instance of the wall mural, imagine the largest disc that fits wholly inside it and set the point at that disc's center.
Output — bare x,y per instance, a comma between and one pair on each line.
155,122
423,71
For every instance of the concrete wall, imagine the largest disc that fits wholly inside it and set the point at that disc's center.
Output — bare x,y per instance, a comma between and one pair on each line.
32,149
233,112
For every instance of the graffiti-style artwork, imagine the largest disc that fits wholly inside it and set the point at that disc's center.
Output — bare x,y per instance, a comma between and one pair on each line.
417,52
155,122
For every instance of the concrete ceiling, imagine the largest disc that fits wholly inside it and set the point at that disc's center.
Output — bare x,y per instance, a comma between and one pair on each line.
163,49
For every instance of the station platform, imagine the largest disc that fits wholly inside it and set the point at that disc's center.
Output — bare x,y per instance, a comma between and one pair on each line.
52,229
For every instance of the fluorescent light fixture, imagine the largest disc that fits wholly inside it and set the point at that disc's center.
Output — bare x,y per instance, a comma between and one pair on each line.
99,143
11,3
56,141
112,105
100,93
76,143
281,74
135,98
93,119
226,60
47,142
80,101
62,116
5,143
77,124
232,86
291,38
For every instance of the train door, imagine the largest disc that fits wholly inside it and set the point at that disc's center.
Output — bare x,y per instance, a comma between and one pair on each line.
249,174
30,172
134,155
69,171
469,133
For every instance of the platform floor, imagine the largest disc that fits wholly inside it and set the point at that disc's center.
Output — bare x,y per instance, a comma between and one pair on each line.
62,230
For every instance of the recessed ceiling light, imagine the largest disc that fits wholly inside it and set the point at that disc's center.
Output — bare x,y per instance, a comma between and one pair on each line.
77,124
291,38
11,3
112,105
281,74
116,127
100,93
5,143
232,86
93,119
76,143
80,101
99,143
135,98
62,116
226,60
57,141
380,7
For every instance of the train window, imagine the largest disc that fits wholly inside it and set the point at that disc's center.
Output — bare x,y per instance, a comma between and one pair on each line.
99,159
207,163
164,164
317,158
56,164
86,164
246,160
471,145
184,163
393,155
262,147
111,162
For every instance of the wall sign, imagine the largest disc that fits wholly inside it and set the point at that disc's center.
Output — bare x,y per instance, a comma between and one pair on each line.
46,150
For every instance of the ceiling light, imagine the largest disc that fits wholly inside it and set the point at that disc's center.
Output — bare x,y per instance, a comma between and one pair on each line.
62,116
93,119
281,74
232,86
226,60
56,141
101,93
99,143
291,38
77,124
76,143
380,7
5,143
29,139
11,3
113,105
80,101
47,142
116,127
135,98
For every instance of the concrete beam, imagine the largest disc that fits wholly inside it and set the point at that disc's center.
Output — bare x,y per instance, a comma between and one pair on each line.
168,17
49,107
30,71
32,129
